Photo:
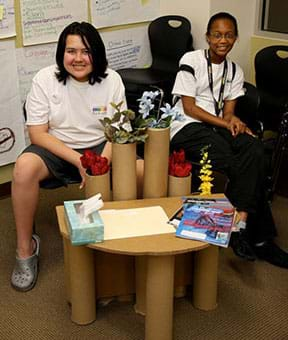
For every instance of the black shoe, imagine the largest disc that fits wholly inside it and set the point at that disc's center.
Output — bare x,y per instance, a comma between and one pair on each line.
271,253
241,247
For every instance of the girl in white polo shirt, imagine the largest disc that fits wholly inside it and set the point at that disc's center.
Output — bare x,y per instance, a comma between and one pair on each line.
64,106
209,84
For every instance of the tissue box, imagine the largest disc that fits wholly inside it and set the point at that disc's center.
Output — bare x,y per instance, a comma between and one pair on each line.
80,234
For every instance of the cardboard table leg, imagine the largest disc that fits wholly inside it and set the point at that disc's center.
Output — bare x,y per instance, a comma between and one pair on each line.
140,283
82,284
205,278
159,298
66,247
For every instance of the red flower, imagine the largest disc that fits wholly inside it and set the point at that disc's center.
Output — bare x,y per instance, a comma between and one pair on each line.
95,164
178,166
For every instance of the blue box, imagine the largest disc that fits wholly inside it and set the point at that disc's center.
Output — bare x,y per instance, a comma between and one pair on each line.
85,233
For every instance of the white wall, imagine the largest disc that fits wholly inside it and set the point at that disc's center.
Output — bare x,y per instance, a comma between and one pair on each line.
199,12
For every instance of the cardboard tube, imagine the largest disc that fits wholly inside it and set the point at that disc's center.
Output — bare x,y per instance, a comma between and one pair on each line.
140,283
124,182
159,298
179,186
156,156
66,247
205,278
82,285
98,184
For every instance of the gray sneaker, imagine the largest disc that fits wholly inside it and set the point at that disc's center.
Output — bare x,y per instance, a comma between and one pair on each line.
25,272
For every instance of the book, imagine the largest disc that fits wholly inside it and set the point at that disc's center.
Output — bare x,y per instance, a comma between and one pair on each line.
207,220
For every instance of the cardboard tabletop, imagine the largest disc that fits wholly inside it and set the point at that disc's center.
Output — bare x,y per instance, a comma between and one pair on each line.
164,244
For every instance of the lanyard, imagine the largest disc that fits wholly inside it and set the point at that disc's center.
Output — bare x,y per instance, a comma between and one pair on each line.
218,104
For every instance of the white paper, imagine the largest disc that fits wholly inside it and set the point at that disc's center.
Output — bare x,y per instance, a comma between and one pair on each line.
43,20
127,47
12,140
107,13
30,60
7,19
124,223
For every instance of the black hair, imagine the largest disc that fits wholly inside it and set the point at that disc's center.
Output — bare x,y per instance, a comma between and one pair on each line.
92,41
222,15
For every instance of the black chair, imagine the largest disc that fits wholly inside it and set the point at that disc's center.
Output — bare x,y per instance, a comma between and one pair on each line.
247,109
271,74
170,37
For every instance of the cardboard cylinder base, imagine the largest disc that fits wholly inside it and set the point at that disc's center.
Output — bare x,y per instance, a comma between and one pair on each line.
205,278
179,186
98,184
159,298
82,285
156,156
124,181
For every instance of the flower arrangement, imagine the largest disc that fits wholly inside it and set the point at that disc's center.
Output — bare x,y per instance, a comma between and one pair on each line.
178,165
121,128
205,172
156,116
95,164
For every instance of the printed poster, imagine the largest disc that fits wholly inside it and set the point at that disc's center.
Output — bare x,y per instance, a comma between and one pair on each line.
7,19
12,140
127,47
43,20
106,13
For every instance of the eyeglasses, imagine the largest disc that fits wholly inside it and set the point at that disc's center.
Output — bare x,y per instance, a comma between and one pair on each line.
219,36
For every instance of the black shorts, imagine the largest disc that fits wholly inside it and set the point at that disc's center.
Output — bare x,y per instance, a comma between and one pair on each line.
62,171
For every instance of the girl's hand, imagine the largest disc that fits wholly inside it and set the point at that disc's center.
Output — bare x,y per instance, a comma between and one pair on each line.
82,172
236,126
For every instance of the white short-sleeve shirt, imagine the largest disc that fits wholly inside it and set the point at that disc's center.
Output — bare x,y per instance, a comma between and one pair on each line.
197,85
73,111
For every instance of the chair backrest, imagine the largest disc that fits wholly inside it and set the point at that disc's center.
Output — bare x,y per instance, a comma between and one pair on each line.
271,70
170,37
247,107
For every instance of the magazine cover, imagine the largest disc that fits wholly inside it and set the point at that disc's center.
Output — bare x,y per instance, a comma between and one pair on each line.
208,220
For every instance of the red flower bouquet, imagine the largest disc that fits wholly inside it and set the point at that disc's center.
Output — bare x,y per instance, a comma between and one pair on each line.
178,165
95,164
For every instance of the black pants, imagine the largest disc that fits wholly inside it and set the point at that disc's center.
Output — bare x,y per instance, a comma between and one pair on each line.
241,159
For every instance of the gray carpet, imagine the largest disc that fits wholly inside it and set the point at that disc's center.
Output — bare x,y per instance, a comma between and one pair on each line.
252,299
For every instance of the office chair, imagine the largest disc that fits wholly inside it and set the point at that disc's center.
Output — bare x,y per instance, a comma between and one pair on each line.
169,37
271,73
247,109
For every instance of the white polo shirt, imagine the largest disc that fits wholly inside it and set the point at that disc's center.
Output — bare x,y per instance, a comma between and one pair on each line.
197,86
73,111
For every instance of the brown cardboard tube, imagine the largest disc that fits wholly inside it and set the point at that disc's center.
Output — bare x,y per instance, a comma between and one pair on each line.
205,278
82,285
156,156
179,186
98,184
140,284
159,298
124,182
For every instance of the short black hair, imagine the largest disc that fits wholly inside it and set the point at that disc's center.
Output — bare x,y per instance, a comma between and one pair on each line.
93,41
222,15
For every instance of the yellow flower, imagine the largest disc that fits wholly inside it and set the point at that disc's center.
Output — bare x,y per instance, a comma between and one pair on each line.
205,173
